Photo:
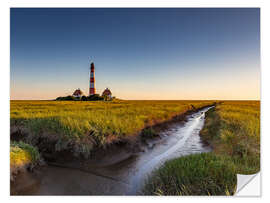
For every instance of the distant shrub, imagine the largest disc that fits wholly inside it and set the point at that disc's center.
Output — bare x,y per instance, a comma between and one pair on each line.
67,98
95,97
59,99
84,98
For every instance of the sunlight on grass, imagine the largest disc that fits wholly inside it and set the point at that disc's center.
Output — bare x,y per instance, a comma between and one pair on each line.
22,155
197,174
82,125
232,129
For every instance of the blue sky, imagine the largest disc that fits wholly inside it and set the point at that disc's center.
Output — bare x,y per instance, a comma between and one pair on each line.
138,53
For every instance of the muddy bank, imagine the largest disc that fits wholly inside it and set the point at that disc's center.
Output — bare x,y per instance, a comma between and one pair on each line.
131,144
121,170
25,181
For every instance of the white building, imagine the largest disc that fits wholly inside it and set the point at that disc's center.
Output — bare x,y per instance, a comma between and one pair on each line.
107,93
78,93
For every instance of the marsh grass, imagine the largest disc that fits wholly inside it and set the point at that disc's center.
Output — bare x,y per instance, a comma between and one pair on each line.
22,156
197,174
83,125
236,134
232,129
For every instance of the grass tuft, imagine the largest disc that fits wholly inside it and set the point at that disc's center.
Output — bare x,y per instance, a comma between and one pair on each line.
22,156
196,174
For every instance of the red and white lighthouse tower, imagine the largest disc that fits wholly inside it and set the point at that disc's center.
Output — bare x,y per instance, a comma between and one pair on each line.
92,89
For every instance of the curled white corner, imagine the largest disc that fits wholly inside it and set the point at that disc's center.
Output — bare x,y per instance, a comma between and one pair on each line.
248,185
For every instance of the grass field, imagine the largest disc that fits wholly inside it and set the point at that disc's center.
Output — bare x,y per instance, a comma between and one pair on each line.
22,155
233,131
196,174
83,125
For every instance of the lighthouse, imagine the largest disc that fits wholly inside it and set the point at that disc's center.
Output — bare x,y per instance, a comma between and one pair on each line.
92,89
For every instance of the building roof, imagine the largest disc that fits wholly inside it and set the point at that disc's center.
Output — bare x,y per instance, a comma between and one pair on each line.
106,92
77,92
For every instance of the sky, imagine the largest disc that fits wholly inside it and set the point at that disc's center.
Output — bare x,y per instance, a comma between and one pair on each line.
139,53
